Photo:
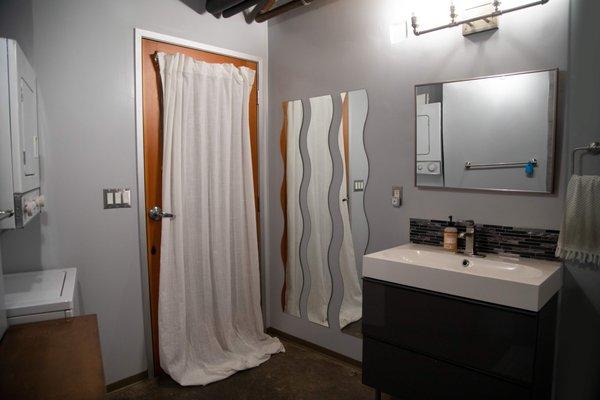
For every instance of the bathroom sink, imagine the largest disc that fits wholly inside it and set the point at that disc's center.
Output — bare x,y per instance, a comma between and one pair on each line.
514,282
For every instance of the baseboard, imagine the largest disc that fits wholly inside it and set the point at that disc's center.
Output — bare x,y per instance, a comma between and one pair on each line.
313,346
130,380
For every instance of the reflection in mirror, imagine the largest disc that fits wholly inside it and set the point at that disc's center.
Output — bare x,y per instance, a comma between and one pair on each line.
321,167
494,133
355,229
290,191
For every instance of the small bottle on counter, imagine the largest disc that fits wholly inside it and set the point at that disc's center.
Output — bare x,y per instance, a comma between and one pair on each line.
451,236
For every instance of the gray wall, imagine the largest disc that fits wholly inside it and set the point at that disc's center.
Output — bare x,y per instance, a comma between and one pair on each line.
310,55
16,22
579,335
83,55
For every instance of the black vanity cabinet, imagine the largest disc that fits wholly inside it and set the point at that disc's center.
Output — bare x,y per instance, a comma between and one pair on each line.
426,345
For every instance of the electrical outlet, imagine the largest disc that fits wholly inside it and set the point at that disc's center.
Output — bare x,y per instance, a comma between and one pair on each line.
396,196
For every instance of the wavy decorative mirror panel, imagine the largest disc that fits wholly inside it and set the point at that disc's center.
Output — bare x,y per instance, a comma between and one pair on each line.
351,201
290,203
317,198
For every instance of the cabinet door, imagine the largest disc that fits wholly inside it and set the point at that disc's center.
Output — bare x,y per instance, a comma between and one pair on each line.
28,126
489,338
411,375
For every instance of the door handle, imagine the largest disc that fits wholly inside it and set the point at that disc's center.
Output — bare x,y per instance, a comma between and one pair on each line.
156,213
6,214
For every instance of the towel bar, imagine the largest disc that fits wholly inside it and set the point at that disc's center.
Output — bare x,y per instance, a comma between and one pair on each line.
469,164
593,148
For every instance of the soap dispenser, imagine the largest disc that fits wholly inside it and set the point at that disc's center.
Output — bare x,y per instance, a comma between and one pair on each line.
451,236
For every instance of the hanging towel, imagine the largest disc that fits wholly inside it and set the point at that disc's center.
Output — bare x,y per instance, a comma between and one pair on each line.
579,238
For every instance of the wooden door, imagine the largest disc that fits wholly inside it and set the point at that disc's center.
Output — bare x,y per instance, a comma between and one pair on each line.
152,117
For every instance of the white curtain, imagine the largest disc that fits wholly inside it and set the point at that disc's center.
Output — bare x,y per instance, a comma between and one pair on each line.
351,308
294,278
209,316
321,167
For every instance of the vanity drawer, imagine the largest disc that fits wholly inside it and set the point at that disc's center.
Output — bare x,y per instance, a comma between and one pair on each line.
489,338
410,375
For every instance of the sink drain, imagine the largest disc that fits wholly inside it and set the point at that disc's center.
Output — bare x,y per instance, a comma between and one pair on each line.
465,263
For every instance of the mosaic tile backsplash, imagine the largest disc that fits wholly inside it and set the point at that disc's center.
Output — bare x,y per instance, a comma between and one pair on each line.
497,239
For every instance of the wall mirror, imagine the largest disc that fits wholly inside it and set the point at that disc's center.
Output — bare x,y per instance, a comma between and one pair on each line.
355,106
319,239
306,145
290,203
490,133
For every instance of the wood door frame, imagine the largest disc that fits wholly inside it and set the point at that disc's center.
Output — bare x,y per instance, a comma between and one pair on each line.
140,34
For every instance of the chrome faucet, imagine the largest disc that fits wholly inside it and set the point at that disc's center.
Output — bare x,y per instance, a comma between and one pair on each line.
469,236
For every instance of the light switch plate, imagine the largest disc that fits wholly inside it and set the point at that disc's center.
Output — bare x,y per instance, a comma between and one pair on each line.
116,198
359,185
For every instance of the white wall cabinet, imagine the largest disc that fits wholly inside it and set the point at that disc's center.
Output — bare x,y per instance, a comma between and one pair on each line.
20,198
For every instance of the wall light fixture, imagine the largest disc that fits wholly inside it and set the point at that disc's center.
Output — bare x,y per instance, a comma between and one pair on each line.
485,21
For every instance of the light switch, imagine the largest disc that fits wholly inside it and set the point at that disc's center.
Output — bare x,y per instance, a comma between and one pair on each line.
116,198
359,185
126,196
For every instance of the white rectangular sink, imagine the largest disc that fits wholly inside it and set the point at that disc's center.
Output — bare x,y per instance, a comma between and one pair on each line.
514,282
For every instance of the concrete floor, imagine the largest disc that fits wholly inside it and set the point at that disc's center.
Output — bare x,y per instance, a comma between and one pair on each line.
299,374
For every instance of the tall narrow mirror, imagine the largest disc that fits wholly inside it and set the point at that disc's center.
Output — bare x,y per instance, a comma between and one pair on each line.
351,202
321,173
290,203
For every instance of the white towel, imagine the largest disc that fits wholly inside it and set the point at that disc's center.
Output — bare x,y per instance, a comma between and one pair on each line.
579,238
